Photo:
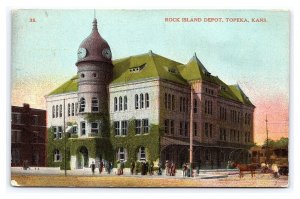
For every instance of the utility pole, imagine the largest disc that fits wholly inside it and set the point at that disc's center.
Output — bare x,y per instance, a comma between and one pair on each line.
65,139
267,149
191,130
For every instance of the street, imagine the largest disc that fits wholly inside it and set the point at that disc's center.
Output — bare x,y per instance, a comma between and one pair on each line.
260,180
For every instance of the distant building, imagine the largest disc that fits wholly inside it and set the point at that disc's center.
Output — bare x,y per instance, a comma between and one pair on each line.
144,108
28,136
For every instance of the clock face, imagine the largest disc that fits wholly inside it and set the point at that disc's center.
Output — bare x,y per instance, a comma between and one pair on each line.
106,53
81,53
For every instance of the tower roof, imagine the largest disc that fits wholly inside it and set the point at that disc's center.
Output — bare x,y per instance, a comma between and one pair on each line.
95,47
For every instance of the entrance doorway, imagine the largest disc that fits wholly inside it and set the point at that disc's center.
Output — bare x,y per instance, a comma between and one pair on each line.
82,158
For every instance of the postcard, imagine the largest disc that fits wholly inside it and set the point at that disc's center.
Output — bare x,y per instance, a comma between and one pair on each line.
150,98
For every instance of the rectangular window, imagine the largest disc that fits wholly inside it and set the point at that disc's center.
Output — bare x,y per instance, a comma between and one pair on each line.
195,129
145,126
210,130
136,101
166,126
180,104
35,119
82,124
206,129
125,103
166,101
73,111
117,128
16,136
94,127
195,106
120,103
186,129
169,102
56,111
60,111
115,104
54,128
35,137
141,100
172,127
138,127
59,133
181,128
76,108
147,100
124,125
69,110
173,102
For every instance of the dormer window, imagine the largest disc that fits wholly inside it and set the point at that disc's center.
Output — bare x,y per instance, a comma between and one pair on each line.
137,69
172,70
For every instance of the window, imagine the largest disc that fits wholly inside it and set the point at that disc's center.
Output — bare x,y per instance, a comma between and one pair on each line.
169,102
121,154
145,125
16,136
59,132
166,101
95,104
195,129
206,129
76,108
172,127
15,156
136,101
54,132
138,127
142,154
186,129
82,75
147,100
73,111
82,105
210,130
125,103
173,102
57,156
180,104
69,109
94,74
94,127
124,126
53,111
35,137
181,128
117,128
166,126
35,119
60,110
120,104
195,105
56,111
183,105
115,104
141,101
82,130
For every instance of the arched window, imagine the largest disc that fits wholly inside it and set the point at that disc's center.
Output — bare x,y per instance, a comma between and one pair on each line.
136,101
95,104
53,111
115,104
122,154
142,154
141,100
56,112
125,103
82,105
147,100
60,111
120,104
57,155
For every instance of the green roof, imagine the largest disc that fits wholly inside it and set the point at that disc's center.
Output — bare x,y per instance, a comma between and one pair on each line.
148,65
69,86
151,65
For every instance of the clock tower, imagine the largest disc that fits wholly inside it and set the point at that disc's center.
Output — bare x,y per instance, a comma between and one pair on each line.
94,69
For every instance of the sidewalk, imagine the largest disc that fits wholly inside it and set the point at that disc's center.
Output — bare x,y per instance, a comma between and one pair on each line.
203,174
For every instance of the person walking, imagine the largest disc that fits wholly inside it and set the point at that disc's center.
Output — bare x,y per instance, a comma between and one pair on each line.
93,166
101,165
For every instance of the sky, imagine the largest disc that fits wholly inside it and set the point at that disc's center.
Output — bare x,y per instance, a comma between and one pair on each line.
254,55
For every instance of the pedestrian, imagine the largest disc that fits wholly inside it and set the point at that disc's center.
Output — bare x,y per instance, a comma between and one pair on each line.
167,167
118,168
184,170
146,167
101,166
122,168
110,167
159,169
93,166
132,166
275,170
